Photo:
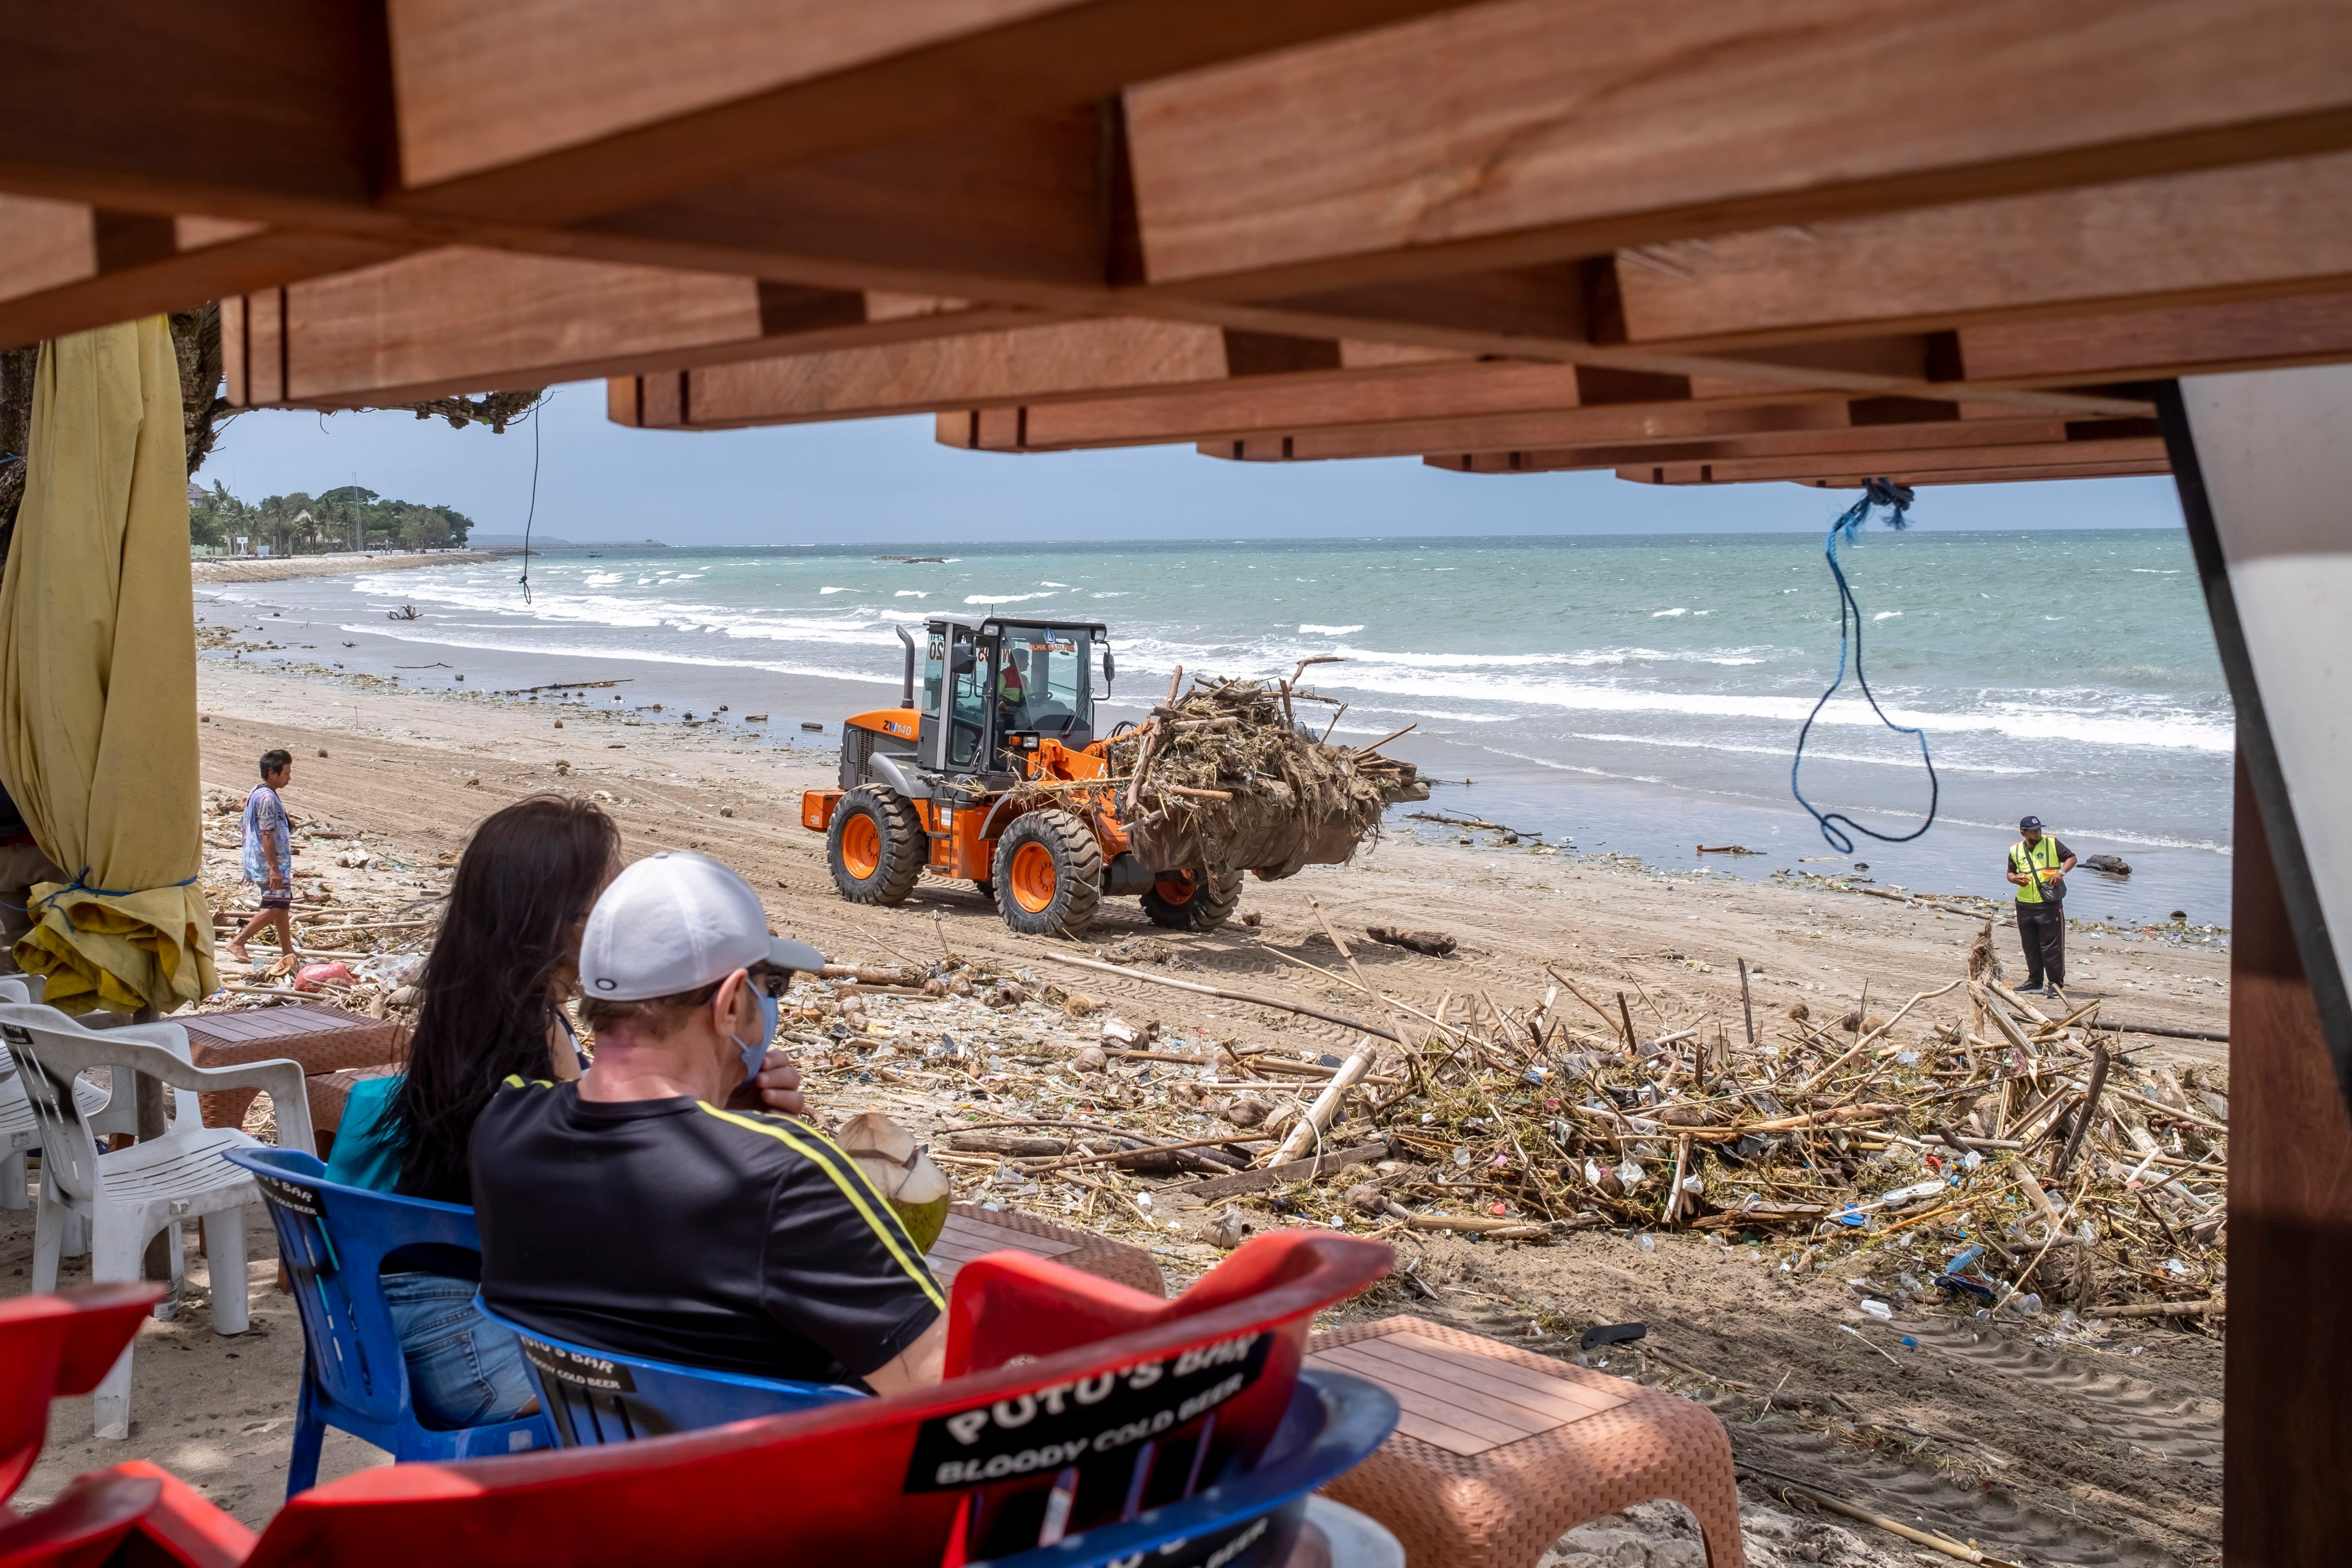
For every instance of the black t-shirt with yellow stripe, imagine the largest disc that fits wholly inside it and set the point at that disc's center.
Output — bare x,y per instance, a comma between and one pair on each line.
740,1241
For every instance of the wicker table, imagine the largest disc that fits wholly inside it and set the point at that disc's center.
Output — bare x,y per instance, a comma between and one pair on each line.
1499,1451
324,1038
971,1231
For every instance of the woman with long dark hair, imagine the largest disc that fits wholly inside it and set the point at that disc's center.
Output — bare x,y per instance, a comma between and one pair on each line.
504,962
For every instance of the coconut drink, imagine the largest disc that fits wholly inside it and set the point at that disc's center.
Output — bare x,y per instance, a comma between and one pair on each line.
901,1171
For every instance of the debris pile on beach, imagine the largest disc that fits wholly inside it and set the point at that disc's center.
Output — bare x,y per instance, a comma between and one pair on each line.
1965,1148
1229,765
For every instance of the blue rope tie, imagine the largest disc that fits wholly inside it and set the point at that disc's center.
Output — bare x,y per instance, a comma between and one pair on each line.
1897,500
80,886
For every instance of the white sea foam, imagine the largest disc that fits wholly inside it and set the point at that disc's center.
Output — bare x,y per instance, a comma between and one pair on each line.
1309,629
1895,616
1667,614
1002,598
913,594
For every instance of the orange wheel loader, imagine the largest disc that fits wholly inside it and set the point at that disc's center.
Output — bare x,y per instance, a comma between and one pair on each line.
998,779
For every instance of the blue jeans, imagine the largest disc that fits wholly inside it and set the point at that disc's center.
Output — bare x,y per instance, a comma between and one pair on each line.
463,1370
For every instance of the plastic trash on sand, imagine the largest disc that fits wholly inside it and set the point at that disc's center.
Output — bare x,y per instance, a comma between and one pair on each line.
311,976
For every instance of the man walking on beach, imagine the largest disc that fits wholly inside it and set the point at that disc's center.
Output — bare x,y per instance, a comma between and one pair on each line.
2038,864
268,856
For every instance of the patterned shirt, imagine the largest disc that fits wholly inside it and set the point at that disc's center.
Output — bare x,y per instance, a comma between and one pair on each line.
268,842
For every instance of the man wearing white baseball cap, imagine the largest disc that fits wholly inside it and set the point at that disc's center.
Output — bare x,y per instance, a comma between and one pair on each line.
633,1212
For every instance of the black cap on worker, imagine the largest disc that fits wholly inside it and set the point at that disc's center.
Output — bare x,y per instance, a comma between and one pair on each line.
2030,825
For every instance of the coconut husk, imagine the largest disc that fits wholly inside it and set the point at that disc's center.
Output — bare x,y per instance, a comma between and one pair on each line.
1292,800
901,1171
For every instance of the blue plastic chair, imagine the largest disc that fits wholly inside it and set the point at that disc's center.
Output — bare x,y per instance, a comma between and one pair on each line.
333,1241
596,1396
1334,1423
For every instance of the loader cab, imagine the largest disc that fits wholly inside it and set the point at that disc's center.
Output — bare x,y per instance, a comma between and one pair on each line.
989,685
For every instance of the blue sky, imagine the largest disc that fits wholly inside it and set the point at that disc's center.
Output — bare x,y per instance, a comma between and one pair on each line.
885,480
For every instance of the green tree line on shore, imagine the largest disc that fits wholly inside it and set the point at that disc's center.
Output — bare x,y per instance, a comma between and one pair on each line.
349,517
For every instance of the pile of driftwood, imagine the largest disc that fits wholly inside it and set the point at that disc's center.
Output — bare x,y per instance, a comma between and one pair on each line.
1228,773
1974,1148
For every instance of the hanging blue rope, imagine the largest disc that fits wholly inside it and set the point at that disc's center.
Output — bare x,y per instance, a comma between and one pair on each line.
1897,500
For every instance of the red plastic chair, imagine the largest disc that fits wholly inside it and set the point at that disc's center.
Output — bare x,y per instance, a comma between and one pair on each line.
968,1468
131,1513
60,1345
972,1468
53,1346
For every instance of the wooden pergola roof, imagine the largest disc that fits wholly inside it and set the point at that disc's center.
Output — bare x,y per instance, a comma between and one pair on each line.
1690,244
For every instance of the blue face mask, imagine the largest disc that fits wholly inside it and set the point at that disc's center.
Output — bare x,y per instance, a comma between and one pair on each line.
755,1051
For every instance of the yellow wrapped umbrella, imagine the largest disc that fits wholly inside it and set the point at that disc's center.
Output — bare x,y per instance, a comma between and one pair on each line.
98,678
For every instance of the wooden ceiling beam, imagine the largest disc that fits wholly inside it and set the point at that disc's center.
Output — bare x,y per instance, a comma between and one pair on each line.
1857,442
1528,132
464,320
1061,362
1631,424
1451,394
549,114
267,110
2256,230
279,110
1804,423
2154,469
2056,459
2200,339
66,264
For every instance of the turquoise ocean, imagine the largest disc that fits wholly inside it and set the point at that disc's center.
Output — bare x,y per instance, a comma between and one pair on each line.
1634,694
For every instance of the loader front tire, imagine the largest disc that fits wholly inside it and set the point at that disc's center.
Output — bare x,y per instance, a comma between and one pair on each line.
1048,873
876,847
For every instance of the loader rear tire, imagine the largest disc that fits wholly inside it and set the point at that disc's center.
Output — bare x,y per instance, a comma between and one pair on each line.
876,847
1203,902
1048,873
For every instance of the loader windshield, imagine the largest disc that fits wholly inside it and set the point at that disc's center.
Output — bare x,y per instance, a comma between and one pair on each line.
1049,680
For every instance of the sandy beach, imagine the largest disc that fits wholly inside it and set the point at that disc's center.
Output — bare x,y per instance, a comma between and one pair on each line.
2074,1447
284,568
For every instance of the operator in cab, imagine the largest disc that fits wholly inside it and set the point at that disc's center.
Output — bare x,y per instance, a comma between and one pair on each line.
1013,689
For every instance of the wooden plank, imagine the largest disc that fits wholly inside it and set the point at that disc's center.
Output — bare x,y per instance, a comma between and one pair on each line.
1439,400
2137,452
1864,443
65,266
2182,239
462,318
1633,423
2204,339
1922,478
1599,124
46,245
551,113
1063,362
1945,431
2289,1233
276,107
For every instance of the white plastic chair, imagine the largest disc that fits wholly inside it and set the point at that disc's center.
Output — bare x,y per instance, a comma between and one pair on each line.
19,1134
129,1195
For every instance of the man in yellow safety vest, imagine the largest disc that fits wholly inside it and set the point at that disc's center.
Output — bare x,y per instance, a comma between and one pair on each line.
2038,864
